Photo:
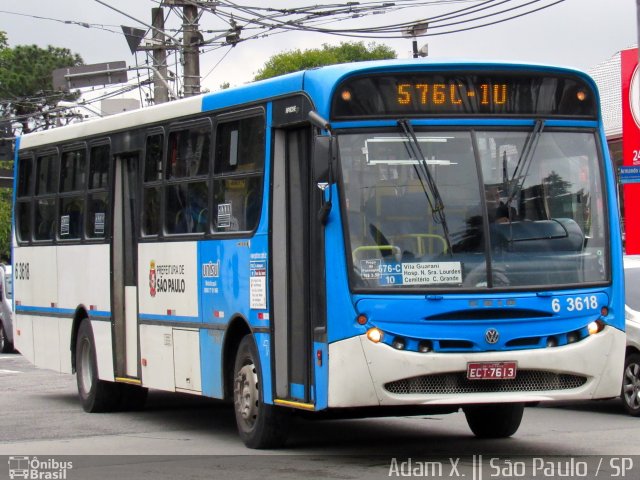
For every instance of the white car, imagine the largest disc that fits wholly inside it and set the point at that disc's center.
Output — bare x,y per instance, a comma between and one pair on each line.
6,310
630,393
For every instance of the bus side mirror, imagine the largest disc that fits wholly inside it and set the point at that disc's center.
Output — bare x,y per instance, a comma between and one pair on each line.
322,151
323,173
322,163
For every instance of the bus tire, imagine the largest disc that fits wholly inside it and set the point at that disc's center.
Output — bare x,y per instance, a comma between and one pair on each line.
499,420
5,345
259,425
95,395
630,393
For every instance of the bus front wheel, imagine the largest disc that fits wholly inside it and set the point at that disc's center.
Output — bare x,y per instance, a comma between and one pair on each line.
95,395
500,420
260,425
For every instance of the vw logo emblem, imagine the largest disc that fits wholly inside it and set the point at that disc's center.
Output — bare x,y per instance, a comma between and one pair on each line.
491,336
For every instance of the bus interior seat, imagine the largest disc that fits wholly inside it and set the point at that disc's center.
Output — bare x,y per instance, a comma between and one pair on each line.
201,221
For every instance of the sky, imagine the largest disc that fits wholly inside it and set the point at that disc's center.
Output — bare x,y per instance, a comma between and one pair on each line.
574,33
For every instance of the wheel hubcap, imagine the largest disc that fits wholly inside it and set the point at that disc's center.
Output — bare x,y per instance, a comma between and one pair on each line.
631,385
85,366
246,395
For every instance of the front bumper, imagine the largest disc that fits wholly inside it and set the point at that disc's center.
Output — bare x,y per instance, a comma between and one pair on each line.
363,373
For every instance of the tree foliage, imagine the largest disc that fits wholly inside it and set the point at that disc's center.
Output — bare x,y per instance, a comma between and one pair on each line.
5,225
26,99
26,89
295,60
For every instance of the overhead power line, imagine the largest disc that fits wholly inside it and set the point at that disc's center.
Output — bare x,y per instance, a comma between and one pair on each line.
108,28
229,22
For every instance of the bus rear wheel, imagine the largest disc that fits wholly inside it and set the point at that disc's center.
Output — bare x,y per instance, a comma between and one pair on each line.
499,420
260,425
95,395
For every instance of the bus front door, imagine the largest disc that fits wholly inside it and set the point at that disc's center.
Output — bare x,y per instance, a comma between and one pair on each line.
125,266
295,268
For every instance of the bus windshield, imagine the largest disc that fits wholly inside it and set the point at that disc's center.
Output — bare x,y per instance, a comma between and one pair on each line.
517,208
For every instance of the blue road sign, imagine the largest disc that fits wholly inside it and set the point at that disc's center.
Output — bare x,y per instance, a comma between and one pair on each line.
629,174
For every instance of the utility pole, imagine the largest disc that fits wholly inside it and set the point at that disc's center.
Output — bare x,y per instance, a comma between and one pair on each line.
191,50
191,40
160,90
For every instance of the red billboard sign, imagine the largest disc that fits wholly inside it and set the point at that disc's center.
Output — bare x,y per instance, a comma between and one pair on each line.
631,145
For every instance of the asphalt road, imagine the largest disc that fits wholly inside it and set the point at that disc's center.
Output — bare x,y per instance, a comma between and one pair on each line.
181,436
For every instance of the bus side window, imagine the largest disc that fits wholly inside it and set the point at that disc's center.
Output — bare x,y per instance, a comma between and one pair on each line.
23,198
151,210
97,196
98,167
185,184
44,217
71,211
186,208
72,184
189,152
23,221
237,181
72,171
96,215
152,187
45,190
46,174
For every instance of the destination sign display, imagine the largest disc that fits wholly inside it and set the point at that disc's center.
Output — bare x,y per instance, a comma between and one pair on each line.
455,93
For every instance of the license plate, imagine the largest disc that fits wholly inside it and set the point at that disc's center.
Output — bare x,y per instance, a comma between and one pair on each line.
492,370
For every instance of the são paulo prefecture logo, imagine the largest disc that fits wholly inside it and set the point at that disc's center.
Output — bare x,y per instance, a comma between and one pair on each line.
152,278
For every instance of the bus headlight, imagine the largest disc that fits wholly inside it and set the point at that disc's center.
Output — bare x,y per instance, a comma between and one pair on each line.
375,335
595,327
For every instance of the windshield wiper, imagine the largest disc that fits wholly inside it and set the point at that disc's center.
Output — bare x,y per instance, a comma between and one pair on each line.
429,186
524,163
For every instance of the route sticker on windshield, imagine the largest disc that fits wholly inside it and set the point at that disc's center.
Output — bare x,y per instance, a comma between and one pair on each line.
431,273
419,273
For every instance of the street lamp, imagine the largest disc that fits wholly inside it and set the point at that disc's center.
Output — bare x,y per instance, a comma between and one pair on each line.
418,30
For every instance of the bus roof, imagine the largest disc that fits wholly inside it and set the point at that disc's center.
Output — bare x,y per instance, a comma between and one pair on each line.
318,83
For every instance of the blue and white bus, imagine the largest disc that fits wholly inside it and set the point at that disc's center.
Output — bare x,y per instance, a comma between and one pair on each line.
376,238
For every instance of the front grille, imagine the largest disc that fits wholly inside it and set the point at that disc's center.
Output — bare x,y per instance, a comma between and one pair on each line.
457,382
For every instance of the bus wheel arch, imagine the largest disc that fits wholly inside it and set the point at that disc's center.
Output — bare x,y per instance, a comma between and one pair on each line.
238,328
95,395
79,315
260,425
